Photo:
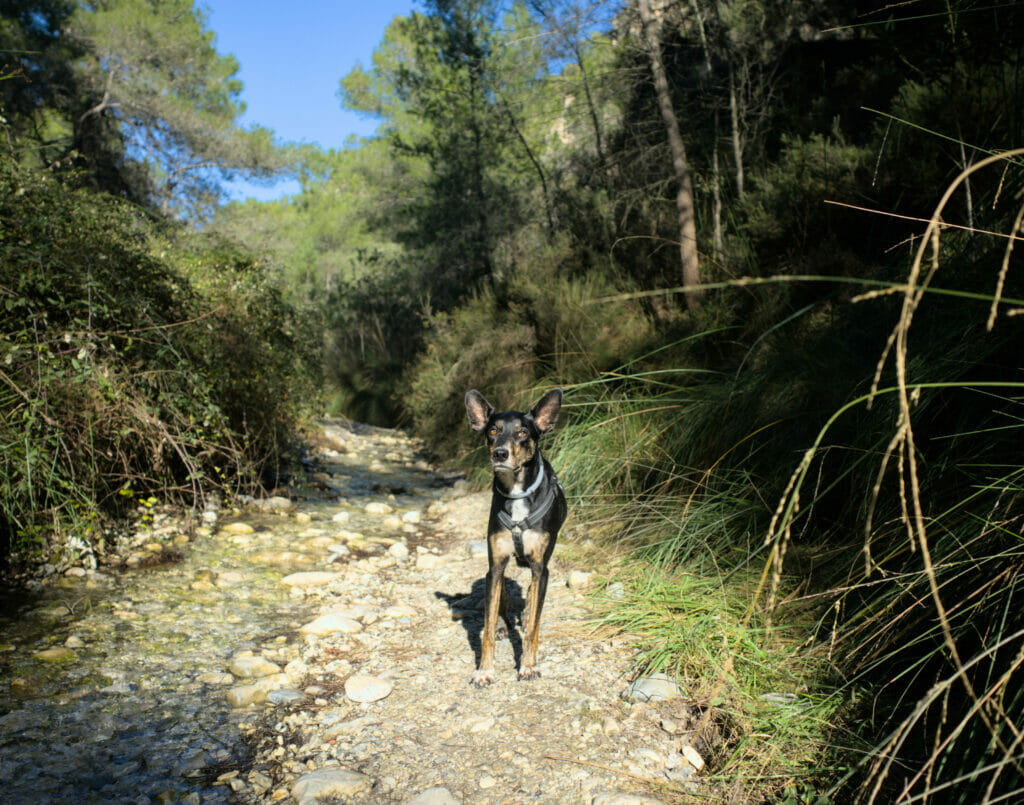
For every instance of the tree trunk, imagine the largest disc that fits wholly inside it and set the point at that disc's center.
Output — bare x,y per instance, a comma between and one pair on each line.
737,139
684,184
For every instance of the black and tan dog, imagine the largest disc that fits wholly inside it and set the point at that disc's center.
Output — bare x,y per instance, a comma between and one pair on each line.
527,509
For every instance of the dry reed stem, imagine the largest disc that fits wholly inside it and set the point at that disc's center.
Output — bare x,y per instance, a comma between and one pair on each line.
897,344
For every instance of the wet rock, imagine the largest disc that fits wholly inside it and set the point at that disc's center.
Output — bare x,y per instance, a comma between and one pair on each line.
215,678
55,654
413,517
74,641
285,696
311,578
249,666
326,783
331,623
237,528
244,695
657,687
434,796
366,688
341,517
376,507
277,503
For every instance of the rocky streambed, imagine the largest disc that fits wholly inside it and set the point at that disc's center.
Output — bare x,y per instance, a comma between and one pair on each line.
319,647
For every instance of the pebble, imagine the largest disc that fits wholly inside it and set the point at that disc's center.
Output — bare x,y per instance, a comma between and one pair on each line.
477,549
401,611
412,517
342,517
325,783
366,688
577,580
74,641
376,507
399,551
693,757
487,781
654,688
434,796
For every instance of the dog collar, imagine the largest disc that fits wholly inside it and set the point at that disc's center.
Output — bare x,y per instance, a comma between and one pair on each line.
532,488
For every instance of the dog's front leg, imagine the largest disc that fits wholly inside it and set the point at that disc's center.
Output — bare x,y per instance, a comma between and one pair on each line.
495,586
531,629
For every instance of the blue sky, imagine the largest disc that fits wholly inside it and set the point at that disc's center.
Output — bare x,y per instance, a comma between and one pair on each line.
292,56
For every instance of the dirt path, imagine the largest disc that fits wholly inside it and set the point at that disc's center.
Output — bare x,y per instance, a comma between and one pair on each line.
408,634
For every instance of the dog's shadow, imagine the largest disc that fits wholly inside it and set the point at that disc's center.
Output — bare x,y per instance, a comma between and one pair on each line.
468,609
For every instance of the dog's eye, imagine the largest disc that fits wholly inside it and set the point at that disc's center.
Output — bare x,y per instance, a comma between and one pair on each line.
522,433
492,431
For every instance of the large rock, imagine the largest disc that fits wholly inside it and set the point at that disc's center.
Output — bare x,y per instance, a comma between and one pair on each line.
327,783
310,578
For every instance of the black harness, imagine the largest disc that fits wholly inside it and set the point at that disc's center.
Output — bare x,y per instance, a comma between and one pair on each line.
539,508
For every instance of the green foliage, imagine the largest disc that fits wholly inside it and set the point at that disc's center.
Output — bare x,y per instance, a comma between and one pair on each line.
545,330
121,372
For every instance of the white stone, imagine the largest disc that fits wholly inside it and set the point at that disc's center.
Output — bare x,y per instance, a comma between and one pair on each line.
366,688
399,551
331,623
376,507
577,580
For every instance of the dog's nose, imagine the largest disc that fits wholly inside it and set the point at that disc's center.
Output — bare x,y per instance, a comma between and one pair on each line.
500,454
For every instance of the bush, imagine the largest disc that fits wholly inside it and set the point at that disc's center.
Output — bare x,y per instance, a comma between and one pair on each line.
136,361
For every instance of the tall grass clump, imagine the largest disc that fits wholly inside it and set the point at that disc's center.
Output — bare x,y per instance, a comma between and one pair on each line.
136,361
927,612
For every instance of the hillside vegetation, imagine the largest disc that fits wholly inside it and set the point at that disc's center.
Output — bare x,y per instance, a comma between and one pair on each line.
810,458
141,362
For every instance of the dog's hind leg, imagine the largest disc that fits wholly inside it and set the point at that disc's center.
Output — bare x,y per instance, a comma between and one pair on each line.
531,626
492,605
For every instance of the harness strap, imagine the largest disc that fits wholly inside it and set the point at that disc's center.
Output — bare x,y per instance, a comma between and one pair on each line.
537,513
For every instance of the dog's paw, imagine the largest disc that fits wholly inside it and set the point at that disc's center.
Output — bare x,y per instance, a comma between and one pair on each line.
528,673
483,678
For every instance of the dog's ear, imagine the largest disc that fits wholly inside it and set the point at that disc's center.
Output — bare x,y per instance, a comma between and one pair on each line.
478,409
545,413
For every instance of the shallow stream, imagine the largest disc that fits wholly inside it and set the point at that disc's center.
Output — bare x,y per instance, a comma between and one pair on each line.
131,705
